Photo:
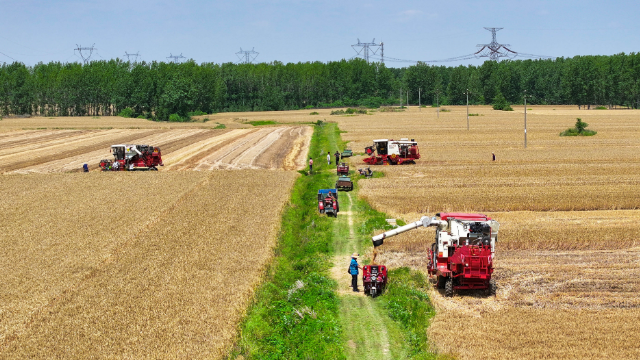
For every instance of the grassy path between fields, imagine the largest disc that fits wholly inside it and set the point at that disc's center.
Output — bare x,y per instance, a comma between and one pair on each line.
305,308
369,333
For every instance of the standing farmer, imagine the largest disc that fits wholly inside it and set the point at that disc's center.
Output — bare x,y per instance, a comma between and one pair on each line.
328,158
310,166
353,270
337,155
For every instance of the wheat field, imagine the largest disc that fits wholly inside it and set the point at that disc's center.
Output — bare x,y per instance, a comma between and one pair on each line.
568,254
48,151
163,269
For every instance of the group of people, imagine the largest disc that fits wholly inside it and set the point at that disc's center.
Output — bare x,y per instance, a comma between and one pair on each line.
337,156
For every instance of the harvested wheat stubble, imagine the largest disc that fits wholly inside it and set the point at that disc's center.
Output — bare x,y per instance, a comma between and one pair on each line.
538,334
63,148
178,286
288,151
571,289
182,149
265,148
184,157
155,137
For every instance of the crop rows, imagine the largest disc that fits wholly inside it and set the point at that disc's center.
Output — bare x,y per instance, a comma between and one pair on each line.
92,269
45,151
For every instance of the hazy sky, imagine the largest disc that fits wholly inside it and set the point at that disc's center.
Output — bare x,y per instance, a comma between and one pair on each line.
297,30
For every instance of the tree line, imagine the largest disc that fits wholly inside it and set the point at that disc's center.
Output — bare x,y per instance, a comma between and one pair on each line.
156,90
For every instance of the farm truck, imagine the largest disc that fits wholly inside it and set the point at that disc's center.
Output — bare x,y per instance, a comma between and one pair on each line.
462,255
328,202
392,152
133,157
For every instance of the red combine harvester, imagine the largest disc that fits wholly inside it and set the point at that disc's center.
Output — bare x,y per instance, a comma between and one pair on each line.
343,169
462,256
374,279
132,158
392,152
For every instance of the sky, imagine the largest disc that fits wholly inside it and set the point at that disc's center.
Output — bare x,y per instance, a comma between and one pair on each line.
319,30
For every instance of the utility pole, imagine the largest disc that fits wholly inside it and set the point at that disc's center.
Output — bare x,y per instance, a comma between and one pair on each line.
438,103
525,119
400,97
419,100
467,109
407,97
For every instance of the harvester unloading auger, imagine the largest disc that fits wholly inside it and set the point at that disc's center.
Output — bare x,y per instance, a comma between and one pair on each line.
462,255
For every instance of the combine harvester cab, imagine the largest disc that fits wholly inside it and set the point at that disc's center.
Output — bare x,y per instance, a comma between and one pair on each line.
328,202
133,158
462,256
392,152
374,279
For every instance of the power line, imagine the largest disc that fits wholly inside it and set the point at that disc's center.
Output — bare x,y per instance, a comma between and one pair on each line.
85,57
247,56
493,50
8,56
176,58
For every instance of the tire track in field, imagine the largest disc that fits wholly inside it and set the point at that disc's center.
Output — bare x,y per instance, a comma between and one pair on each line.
189,157
258,149
222,158
55,145
39,159
284,152
230,160
93,154
39,136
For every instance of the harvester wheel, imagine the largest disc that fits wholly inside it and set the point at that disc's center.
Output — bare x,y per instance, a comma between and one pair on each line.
448,288
441,281
492,287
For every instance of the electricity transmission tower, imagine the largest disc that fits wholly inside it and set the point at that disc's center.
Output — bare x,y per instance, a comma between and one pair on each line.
247,56
494,50
367,49
85,57
176,58
129,56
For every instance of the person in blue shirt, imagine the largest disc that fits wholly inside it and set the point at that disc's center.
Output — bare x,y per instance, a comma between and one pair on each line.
353,270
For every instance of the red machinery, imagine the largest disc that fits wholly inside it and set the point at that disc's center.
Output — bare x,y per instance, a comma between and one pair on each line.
133,157
328,202
392,152
374,279
343,169
462,256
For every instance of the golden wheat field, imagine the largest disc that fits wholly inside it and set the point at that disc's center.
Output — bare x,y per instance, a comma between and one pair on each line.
132,265
184,148
568,255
